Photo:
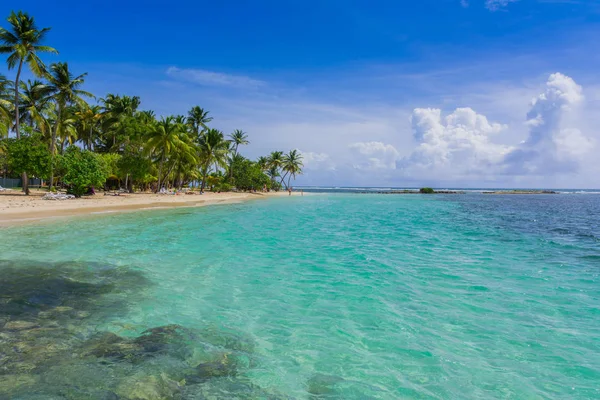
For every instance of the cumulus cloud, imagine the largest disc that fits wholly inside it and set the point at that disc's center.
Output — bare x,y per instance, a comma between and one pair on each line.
374,155
211,78
458,144
551,147
316,161
494,5
461,145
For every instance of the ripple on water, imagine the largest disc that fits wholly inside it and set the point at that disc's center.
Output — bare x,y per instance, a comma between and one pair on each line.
321,297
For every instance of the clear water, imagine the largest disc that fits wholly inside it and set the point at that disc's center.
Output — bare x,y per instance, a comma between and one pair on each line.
317,297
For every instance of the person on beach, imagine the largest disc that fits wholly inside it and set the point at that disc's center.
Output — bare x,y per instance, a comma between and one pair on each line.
290,190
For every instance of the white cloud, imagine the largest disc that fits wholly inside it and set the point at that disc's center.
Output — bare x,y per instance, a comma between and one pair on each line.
210,78
494,5
317,161
457,145
374,155
551,147
462,145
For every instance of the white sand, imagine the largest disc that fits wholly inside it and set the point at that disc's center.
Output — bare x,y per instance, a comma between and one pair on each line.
17,208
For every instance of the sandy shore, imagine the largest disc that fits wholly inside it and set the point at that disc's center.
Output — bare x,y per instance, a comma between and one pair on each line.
16,208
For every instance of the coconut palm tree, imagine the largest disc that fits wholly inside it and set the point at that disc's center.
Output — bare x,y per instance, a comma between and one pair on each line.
197,120
35,98
263,163
64,87
88,124
292,165
117,111
275,163
237,138
213,150
165,138
5,106
23,43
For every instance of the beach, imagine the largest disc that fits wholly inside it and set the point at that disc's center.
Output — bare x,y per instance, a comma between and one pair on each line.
16,208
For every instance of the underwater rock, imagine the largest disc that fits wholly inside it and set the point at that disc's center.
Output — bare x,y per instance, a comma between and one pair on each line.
19,325
110,345
231,389
149,388
30,287
171,339
9,384
321,384
227,339
225,366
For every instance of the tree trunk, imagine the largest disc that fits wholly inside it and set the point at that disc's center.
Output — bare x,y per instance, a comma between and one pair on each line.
24,180
204,174
160,172
283,180
53,146
17,80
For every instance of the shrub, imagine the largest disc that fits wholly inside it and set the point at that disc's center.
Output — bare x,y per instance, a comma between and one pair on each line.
83,169
225,187
426,190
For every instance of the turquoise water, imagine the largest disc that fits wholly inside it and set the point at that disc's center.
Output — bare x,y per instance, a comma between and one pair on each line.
316,297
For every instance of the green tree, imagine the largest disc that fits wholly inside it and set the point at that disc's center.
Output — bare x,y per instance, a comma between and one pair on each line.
237,138
165,138
118,121
23,43
292,165
29,155
197,120
5,106
213,150
82,169
35,96
88,124
249,175
64,87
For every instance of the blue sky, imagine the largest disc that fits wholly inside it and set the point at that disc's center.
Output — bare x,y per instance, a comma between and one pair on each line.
357,85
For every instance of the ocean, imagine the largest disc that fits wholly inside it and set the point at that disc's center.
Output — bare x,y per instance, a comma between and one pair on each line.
328,296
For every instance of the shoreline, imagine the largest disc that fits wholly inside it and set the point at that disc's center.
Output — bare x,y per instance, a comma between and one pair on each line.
17,209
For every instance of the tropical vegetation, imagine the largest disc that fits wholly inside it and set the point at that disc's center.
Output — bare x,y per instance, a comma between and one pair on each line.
52,129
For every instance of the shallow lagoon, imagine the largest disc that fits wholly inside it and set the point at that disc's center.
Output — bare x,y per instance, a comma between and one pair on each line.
320,297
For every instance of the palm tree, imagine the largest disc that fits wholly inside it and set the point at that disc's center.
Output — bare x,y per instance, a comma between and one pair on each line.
197,120
65,92
213,151
116,112
165,138
275,163
88,124
67,132
5,106
292,165
263,163
35,96
237,138
23,43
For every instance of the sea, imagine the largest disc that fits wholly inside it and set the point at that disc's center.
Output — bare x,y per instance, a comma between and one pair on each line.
330,295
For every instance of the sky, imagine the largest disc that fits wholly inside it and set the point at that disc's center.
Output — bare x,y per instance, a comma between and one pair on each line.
389,93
